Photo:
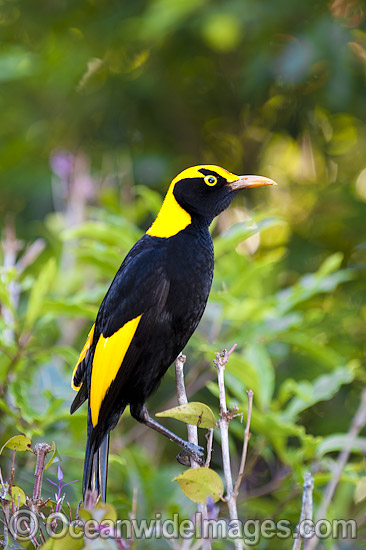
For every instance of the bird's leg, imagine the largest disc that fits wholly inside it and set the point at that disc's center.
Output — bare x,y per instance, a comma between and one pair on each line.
189,450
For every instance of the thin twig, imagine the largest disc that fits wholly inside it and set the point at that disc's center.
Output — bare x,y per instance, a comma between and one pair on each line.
209,438
192,438
183,400
306,509
31,535
12,474
358,422
244,452
225,417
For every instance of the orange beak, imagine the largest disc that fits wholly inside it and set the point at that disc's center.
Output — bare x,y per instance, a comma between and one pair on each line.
245,182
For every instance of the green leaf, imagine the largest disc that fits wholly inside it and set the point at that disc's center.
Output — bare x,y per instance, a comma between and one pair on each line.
68,542
240,232
325,280
52,456
102,233
18,442
39,290
311,347
200,483
337,442
321,389
18,496
4,294
14,545
103,511
222,31
15,63
360,490
257,355
254,368
330,264
69,308
195,413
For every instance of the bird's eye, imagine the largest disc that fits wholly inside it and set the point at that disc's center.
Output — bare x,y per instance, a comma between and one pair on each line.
210,180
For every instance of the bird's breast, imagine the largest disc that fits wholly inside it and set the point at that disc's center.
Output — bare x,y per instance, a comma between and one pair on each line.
190,266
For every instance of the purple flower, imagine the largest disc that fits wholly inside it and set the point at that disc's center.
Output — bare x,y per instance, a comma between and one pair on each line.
60,486
62,164
60,474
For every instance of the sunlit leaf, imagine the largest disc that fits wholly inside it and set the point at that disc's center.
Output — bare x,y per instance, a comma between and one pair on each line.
17,495
337,442
195,413
50,461
360,490
18,442
198,484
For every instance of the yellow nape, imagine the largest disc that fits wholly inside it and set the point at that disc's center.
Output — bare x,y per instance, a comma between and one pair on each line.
172,218
108,358
87,345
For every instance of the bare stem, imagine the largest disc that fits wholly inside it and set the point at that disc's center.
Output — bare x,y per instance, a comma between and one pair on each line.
192,437
244,452
306,508
209,437
225,417
40,450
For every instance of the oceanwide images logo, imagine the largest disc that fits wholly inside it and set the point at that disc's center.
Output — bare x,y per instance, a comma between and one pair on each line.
24,526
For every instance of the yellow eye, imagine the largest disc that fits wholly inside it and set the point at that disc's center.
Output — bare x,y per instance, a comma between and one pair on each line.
210,180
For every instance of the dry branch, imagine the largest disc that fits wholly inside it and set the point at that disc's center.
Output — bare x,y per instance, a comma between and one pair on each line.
192,437
306,509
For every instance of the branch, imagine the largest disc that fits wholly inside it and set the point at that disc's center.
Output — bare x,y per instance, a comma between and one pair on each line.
40,450
306,508
183,400
192,438
225,417
250,395
209,438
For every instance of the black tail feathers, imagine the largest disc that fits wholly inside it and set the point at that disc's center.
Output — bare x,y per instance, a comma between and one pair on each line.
96,467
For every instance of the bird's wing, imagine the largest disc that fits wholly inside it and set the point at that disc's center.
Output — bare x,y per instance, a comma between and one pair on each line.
125,320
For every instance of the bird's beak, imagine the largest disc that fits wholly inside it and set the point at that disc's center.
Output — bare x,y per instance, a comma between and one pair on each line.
244,182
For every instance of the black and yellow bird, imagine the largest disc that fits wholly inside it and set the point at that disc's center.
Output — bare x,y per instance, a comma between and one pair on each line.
150,311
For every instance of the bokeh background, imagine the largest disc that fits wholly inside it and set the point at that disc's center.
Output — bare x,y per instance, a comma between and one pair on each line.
102,104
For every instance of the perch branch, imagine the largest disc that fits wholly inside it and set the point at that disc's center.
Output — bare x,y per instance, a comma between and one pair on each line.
209,438
192,434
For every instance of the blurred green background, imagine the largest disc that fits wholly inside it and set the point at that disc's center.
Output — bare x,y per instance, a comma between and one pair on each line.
102,104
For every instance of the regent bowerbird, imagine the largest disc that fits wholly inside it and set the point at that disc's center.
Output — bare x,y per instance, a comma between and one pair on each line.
150,311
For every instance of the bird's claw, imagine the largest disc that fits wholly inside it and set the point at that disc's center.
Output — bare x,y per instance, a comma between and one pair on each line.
189,451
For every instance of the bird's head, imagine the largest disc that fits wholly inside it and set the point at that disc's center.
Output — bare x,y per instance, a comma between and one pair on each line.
200,192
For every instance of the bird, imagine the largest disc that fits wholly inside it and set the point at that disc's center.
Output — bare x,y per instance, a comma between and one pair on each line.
149,313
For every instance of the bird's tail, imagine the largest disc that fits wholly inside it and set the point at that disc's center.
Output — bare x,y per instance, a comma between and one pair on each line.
96,467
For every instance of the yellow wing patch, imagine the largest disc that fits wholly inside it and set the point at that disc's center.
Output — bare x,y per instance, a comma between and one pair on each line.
172,218
87,345
108,357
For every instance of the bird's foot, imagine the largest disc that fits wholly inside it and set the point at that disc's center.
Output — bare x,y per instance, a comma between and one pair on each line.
189,451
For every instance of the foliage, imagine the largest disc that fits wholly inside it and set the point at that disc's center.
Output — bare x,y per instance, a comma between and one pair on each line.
103,103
